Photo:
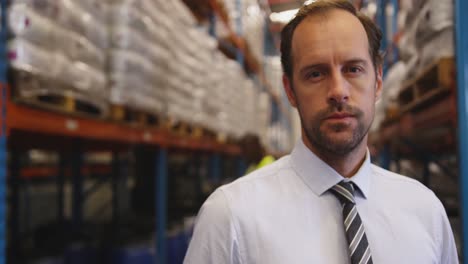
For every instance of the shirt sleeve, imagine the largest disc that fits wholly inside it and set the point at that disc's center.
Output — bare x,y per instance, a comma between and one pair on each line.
448,248
214,239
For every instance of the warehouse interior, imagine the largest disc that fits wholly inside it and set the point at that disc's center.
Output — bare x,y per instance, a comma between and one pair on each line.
120,117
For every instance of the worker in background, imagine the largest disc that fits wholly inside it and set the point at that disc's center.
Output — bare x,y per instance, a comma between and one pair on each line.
254,153
325,202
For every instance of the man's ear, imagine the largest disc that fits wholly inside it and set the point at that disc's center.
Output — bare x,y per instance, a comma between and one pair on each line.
378,83
288,88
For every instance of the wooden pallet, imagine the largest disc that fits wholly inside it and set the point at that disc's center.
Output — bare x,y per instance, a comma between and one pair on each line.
124,114
29,89
433,83
185,129
62,104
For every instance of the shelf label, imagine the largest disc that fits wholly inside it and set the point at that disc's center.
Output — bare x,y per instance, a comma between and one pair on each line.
71,125
147,136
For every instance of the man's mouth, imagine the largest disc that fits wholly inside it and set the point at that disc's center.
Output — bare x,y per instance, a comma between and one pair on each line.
339,116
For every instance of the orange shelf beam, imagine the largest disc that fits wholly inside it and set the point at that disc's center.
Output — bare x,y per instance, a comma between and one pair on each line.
47,171
27,119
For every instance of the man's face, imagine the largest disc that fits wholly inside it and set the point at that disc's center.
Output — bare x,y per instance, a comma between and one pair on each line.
334,84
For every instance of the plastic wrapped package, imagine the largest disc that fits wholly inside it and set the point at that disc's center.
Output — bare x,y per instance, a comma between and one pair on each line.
78,48
96,32
436,15
152,8
392,83
118,92
178,106
160,54
130,90
128,15
98,9
253,28
120,86
159,92
210,45
88,79
74,18
138,5
162,19
186,89
125,38
27,24
45,8
52,73
182,13
182,88
192,41
136,17
440,45
131,63
145,102
67,72
29,57
160,77
181,41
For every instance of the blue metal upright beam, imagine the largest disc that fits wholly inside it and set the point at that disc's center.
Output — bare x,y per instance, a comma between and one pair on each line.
382,22
14,255
241,166
215,168
396,7
239,30
3,135
461,29
212,26
161,206
116,171
61,188
77,186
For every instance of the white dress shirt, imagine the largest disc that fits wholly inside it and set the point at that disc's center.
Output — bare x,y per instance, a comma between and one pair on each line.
284,214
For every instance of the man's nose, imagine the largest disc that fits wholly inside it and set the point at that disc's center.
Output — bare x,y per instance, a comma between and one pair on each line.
338,91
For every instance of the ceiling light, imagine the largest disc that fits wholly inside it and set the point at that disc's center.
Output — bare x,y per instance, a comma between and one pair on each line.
283,17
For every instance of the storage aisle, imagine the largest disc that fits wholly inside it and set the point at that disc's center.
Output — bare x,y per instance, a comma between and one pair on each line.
119,117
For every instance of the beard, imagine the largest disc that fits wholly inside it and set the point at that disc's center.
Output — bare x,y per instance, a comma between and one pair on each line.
325,143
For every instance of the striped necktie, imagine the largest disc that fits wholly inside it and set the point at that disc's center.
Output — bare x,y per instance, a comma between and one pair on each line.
358,245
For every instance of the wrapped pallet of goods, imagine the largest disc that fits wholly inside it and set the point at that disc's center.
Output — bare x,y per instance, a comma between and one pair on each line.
436,32
252,22
57,53
137,60
428,36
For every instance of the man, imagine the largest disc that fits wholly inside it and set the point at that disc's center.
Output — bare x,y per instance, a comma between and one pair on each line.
254,153
326,203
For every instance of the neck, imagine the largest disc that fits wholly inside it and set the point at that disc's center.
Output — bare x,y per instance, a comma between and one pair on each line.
346,165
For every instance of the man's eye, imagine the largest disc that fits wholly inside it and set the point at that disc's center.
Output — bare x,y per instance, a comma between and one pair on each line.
314,74
353,69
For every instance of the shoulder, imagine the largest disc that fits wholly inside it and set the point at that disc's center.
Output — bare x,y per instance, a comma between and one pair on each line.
390,177
259,179
404,189
227,204
242,195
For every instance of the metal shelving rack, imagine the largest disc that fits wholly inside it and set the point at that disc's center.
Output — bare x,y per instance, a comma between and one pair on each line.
3,131
461,27
56,131
461,119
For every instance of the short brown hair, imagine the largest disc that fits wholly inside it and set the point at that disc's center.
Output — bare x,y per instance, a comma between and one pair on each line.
374,35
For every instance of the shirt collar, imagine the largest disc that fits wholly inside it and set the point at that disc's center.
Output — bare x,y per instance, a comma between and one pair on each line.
320,177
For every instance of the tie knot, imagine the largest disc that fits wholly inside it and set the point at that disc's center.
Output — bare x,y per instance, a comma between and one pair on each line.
344,191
